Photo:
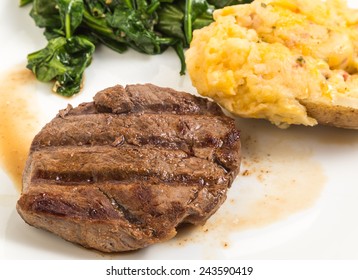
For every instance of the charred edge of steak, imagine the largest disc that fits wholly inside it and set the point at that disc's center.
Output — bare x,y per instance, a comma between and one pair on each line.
124,171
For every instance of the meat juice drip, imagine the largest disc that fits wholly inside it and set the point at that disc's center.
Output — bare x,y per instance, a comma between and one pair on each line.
18,121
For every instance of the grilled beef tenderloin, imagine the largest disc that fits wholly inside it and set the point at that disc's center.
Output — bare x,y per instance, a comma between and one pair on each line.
122,172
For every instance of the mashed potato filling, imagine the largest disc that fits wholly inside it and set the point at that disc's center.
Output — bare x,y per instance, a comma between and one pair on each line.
260,60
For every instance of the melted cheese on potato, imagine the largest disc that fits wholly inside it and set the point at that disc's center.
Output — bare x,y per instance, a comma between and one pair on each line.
259,60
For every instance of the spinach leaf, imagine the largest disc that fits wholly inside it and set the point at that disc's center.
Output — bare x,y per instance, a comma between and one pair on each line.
71,13
97,8
180,19
98,26
223,3
45,63
65,57
63,60
25,2
76,56
194,9
135,30
179,49
171,21
45,14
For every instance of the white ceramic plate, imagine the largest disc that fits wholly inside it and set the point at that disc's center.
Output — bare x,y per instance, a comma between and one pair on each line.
296,196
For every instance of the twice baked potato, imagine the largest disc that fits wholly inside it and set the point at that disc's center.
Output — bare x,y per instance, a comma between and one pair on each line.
288,61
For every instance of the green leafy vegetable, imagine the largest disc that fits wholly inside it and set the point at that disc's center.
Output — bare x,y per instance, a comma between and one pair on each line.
63,60
71,13
74,27
66,56
223,3
25,2
45,14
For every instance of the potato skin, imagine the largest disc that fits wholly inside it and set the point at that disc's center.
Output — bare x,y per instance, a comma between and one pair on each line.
332,115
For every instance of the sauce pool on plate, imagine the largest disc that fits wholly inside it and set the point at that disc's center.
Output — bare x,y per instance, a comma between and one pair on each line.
19,122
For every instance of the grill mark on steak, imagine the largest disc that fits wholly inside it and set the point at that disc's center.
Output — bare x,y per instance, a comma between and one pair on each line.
121,209
122,164
187,134
122,172
53,206
66,203
104,129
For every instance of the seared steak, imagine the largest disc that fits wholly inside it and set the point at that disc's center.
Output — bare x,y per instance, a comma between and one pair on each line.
122,172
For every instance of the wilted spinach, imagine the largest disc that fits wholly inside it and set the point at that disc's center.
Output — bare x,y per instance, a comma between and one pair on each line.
74,27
